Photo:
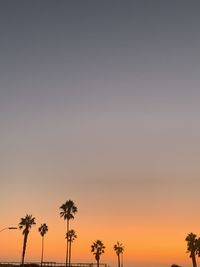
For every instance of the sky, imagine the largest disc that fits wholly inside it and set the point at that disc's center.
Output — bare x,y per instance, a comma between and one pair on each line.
99,103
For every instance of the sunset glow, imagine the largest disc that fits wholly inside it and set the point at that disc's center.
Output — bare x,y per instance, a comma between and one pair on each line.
99,103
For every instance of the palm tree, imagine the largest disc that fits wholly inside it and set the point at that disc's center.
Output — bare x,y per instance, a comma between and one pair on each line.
97,248
43,229
70,236
119,250
26,224
192,247
68,209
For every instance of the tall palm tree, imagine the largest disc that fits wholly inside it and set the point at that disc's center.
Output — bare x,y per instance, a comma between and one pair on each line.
98,248
26,224
192,247
43,229
68,210
70,236
119,249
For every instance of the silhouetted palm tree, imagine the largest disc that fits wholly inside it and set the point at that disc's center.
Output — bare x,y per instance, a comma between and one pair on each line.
119,250
68,209
175,265
70,236
192,247
198,246
97,248
26,224
43,229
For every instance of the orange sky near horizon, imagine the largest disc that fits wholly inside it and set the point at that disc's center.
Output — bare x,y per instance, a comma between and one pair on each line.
138,244
145,241
151,230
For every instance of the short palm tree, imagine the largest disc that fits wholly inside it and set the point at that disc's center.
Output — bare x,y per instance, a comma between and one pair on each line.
98,248
70,236
43,229
68,210
26,224
119,249
192,247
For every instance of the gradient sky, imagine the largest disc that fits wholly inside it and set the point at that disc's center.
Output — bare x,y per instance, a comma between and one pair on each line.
99,103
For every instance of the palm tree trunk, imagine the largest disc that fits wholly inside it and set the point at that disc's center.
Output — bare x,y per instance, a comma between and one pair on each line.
194,261
42,250
24,247
70,249
67,249
118,260
122,259
97,263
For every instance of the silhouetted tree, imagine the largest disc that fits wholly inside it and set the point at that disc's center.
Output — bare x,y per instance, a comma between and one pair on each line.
119,250
70,236
43,229
26,224
192,247
97,248
68,209
175,265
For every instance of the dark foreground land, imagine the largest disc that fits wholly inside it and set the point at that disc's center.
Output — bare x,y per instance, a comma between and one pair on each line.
49,264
